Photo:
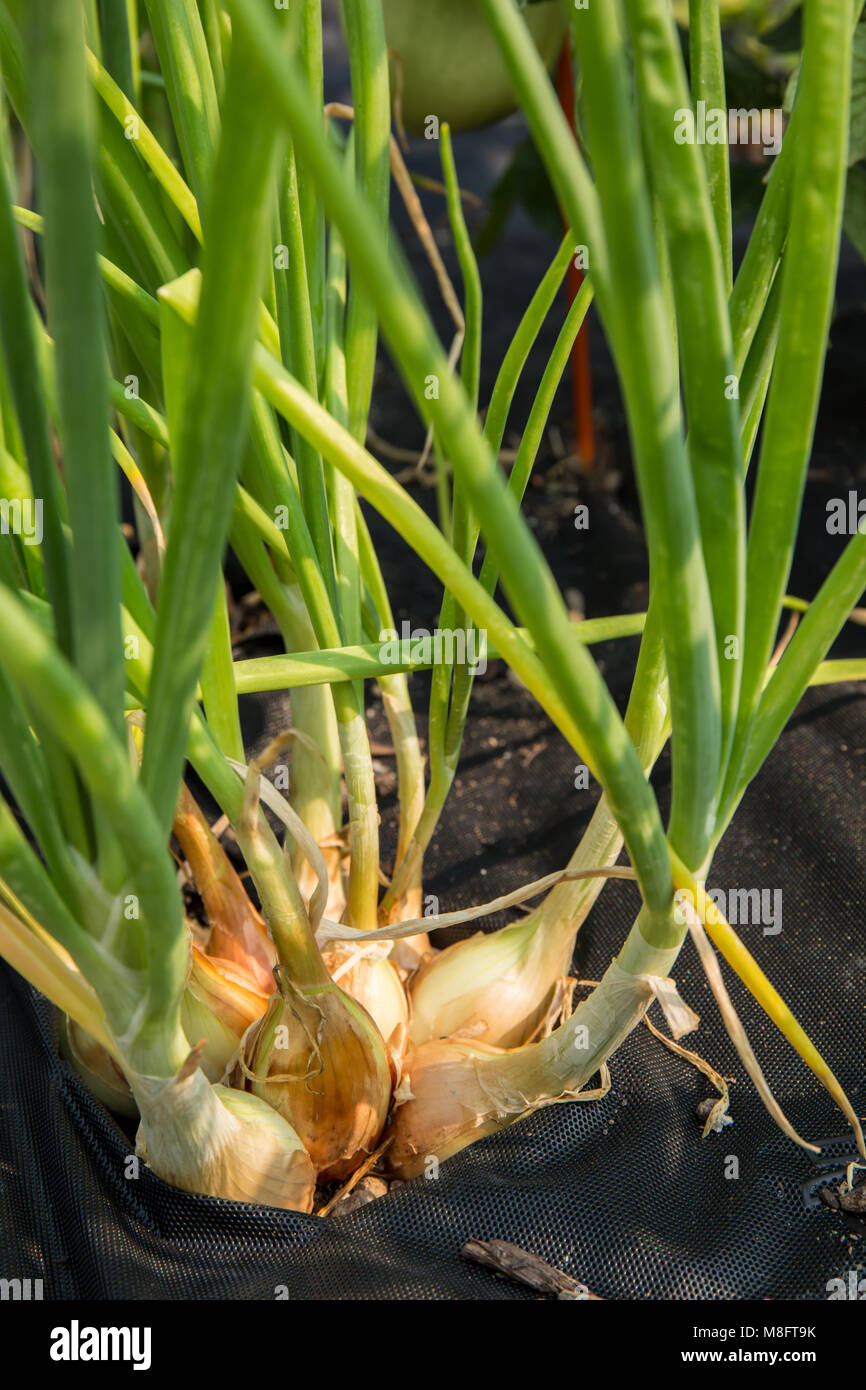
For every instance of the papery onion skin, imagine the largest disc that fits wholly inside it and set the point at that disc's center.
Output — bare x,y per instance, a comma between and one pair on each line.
410,952
97,1069
491,988
375,984
237,929
447,1109
462,1090
218,1008
222,1143
328,1075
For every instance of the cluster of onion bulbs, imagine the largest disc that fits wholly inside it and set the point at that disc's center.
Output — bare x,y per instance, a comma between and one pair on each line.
394,1052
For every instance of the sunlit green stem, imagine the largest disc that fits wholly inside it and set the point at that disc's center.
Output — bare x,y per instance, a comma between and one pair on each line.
368,63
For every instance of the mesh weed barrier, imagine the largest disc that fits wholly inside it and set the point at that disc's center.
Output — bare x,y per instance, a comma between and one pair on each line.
623,1193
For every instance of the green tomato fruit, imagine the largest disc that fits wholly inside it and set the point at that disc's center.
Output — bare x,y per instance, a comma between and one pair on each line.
451,65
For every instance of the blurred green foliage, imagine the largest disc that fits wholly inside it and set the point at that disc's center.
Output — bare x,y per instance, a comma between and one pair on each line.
762,46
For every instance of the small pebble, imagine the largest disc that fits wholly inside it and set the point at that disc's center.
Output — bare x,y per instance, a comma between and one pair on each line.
368,1190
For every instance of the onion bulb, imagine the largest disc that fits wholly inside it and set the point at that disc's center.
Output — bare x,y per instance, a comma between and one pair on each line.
318,1058
461,1090
97,1069
496,987
493,988
219,1005
447,1109
371,979
220,1142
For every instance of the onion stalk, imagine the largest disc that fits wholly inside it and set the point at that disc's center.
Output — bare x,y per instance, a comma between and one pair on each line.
496,987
